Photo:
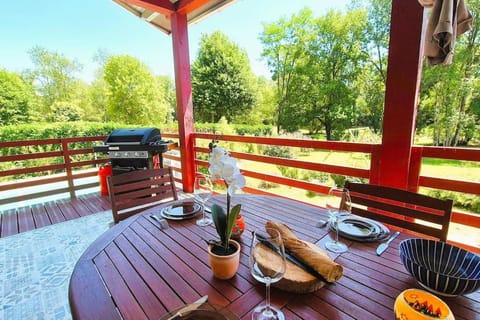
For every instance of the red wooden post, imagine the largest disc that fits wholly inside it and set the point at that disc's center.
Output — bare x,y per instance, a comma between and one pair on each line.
401,98
415,166
184,97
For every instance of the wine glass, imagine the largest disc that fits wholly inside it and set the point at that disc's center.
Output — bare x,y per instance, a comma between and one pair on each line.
267,265
338,203
202,191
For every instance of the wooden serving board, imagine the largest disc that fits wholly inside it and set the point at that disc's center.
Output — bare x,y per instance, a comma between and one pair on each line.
295,279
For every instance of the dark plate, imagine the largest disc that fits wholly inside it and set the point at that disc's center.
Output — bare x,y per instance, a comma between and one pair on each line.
378,230
181,211
205,312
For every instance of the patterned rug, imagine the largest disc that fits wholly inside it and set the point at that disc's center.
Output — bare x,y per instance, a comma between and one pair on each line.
36,267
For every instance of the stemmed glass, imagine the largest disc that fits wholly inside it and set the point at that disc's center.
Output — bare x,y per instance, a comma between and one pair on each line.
267,265
202,191
338,203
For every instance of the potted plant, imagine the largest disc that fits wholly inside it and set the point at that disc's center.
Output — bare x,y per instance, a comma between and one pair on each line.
224,253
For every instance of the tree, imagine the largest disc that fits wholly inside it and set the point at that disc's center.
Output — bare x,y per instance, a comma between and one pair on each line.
222,81
335,58
283,48
373,76
16,99
54,78
315,62
264,109
133,94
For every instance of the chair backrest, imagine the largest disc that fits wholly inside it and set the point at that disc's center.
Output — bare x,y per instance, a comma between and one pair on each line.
401,208
138,190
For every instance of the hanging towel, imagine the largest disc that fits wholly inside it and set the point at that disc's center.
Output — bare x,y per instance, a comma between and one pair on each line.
426,3
448,19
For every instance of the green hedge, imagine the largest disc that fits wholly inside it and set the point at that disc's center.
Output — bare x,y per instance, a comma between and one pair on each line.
239,129
56,130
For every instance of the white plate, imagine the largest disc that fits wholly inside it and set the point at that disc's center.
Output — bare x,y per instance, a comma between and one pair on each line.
356,228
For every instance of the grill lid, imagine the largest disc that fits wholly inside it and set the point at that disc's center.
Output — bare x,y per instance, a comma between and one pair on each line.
138,136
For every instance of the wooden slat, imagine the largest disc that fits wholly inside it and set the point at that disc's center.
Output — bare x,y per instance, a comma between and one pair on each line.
54,213
25,219
105,307
137,287
9,223
44,214
40,216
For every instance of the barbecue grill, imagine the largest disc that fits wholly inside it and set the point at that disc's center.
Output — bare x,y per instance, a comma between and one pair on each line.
134,149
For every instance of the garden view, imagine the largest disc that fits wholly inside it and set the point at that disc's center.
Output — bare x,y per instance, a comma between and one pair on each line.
328,83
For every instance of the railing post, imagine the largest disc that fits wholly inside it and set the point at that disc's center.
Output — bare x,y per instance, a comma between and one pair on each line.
415,167
375,165
68,167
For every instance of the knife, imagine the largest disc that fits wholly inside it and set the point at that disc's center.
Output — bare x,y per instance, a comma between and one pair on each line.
384,245
189,308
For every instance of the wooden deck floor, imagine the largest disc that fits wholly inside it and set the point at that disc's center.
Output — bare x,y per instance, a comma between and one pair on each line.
19,220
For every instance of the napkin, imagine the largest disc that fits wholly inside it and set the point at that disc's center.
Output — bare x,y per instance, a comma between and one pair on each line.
448,19
308,253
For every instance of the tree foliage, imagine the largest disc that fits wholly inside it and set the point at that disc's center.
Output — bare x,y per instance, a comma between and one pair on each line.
222,81
315,64
55,81
16,98
133,94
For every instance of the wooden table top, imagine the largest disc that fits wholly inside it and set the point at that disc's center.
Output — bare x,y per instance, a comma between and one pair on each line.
136,270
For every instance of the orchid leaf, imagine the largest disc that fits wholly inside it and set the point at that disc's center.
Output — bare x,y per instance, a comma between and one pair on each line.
234,212
219,218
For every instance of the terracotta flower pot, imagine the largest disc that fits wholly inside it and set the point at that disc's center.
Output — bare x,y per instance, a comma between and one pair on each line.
224,267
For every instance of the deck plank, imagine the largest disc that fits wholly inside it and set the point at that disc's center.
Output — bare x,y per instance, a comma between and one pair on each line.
14,221
54,213
9,223
40,216
67,210
25,219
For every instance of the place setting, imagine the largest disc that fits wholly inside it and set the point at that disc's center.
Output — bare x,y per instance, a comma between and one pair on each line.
201,310
350,226
182,210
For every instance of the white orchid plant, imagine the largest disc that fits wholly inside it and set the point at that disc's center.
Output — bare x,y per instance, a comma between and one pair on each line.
224,167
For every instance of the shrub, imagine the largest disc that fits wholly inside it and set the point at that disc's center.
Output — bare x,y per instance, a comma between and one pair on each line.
278,151
460,200
289,172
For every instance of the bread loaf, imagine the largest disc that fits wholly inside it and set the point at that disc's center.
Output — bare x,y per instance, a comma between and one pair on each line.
308,253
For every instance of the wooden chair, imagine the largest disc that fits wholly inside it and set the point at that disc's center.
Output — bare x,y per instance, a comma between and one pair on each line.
401,208
138,190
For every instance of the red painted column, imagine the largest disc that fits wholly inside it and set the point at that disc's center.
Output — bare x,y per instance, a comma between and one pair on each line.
402,88
184,97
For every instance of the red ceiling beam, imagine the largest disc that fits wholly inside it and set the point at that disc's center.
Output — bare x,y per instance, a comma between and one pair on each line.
161,6
187,6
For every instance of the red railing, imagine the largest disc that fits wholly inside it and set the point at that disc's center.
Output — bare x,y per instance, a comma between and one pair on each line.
70,169
369,174
63,163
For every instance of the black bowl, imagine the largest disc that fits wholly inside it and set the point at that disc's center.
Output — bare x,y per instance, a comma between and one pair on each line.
440,267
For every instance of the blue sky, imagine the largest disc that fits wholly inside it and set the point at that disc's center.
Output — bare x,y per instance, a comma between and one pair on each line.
79,28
